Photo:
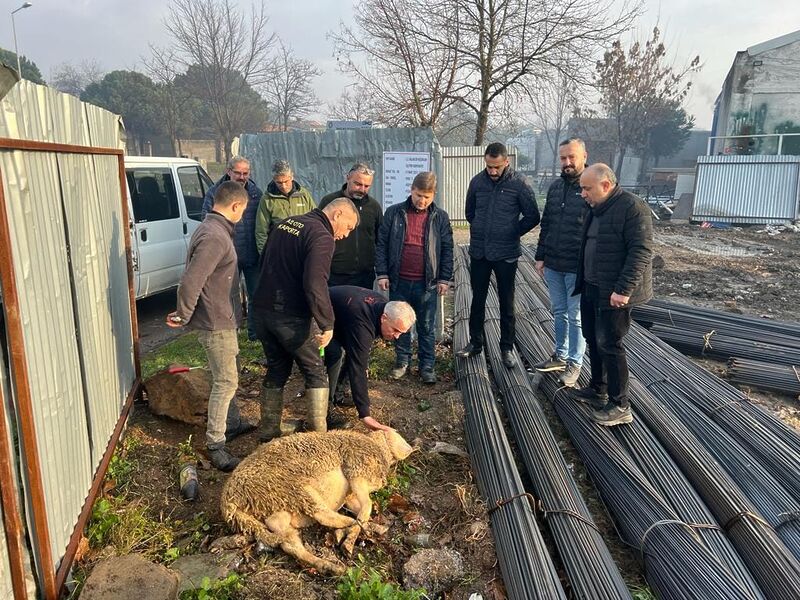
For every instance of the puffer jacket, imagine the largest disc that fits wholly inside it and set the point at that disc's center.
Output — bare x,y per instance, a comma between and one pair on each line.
561,229
493,210
438,244
624,253
244,237
276,206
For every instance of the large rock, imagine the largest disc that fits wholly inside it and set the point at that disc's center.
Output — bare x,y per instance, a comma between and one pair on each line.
435,570
180,396
193,568
130,577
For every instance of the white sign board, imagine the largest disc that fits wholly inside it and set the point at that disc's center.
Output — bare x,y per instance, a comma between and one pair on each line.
399,170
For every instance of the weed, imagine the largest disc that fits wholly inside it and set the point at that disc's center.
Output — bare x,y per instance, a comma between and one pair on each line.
120,469
171,554
127,528
642,593
186,452
364,583
424,405
221,589
381,360
398,483
103,520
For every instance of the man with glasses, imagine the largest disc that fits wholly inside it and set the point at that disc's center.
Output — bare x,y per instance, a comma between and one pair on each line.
354,258
244,237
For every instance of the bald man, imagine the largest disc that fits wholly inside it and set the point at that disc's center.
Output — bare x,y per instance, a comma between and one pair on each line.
615,273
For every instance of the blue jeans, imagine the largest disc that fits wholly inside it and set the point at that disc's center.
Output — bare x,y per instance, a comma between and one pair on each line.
251,274
424,301
566,309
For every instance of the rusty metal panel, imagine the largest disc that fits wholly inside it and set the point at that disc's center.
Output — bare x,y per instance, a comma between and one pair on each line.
747,189
321,160
459,165
38,245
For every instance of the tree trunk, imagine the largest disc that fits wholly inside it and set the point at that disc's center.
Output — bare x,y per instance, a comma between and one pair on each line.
618,169
482,124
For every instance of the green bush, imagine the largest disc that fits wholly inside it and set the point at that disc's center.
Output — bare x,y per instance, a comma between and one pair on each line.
363,583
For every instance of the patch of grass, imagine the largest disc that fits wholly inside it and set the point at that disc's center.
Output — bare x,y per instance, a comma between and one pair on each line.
365,583
126,527
642,593
398,483
381,360
186,350
221,589
120,468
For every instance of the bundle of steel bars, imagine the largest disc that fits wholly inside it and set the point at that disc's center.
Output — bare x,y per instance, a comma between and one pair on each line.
755,539
765,375
528,571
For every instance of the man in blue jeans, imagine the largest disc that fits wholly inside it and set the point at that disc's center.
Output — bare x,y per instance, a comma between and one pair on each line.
414,262
557,260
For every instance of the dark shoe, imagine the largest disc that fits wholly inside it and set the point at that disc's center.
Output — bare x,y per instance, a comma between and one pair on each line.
570,375
469,350
428,376
343,401
222,459
243,428
551,364
507,356
336,420
611,415
589,395
398,371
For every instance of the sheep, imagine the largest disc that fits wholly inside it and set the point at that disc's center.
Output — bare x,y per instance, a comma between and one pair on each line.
295,481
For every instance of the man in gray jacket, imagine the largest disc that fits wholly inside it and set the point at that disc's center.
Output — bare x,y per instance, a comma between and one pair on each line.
204,304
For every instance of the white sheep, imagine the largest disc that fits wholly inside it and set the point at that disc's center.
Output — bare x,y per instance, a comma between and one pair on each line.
295,481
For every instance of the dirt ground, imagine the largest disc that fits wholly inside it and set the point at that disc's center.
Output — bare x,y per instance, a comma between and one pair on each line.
745,270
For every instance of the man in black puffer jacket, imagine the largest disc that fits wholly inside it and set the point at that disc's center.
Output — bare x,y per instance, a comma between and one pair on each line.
557,260
615,273
501,208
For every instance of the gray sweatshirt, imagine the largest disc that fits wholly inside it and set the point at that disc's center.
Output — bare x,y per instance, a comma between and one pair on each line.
204,294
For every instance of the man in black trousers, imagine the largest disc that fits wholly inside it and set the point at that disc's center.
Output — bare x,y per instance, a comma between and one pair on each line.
615,273
501,208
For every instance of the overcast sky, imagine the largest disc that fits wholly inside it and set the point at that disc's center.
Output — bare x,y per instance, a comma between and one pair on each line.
116,33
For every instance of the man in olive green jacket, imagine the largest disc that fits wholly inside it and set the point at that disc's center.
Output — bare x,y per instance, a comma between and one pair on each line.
284,198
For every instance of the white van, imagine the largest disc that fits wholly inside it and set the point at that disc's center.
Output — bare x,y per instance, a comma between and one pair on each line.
165,199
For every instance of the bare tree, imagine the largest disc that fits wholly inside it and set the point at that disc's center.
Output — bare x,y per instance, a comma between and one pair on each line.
391,53
289,91
552,103
352,107
489,49
231,52
637,86
73,78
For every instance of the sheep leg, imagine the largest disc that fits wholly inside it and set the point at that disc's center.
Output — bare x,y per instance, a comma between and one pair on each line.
361,504
325,516
290,542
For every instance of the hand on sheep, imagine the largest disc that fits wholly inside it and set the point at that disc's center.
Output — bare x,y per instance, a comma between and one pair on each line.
374,424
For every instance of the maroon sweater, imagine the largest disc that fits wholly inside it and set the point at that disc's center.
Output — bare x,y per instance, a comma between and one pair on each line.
412,259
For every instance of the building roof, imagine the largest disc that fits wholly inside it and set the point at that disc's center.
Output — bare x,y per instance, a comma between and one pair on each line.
777,42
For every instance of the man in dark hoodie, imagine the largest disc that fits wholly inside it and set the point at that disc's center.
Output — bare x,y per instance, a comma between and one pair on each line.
244,239
615,273
293,313
557,260
354,259
205,304
501,208
284,198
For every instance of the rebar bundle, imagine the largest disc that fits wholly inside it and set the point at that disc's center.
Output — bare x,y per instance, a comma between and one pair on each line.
590,569
528,572
764,375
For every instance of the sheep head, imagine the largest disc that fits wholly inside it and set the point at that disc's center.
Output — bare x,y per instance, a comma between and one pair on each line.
394,443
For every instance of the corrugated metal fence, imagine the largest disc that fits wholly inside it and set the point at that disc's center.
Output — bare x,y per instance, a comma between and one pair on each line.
320,160
747,189
67,300
459,166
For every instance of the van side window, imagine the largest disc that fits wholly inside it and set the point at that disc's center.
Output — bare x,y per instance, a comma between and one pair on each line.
194,187
152,195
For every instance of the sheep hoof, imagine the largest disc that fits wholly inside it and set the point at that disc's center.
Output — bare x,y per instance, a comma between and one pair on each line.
348,546
375,529
339,534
